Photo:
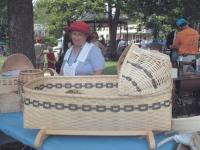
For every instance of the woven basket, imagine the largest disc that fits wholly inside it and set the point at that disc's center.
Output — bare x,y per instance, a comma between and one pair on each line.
30,74
145,72
16,62
13,62
121,58
10,102
92,103
8,84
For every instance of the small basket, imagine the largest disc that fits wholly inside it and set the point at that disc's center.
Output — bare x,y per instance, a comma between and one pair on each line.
30,74
92,103
145,73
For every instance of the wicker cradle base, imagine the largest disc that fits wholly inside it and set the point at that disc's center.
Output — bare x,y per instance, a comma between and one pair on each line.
42,135
94,106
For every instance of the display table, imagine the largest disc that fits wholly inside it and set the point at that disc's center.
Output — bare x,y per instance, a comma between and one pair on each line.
12,125
186,95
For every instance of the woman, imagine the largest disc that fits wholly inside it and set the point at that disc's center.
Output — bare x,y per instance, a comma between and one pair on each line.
94,40
82,58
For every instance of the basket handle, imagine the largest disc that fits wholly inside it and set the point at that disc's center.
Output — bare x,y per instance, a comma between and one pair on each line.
51,71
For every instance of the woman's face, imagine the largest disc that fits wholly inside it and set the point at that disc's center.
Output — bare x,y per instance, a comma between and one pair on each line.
78,38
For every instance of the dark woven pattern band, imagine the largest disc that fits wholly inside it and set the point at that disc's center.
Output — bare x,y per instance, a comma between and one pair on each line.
133,82
9,82
77,85
97,108
145,71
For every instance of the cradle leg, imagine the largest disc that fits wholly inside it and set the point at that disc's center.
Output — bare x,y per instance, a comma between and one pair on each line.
151,140
40,138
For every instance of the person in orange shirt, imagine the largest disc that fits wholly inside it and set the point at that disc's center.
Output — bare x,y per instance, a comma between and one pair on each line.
186,40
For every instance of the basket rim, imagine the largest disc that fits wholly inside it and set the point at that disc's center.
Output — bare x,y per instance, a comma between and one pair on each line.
25,72
8,77
110,97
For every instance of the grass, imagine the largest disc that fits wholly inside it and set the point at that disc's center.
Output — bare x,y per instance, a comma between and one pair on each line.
2,59
110,68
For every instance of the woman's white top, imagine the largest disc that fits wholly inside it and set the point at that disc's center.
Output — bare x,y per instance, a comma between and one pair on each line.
86,62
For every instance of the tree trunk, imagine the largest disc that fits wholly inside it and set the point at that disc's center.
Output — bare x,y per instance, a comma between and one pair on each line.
20,24
113,22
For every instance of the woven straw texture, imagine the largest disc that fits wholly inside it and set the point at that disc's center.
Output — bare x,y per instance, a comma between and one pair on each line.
145,72
122,57
16,62
10,102
92,103
30,74
8,84
13,62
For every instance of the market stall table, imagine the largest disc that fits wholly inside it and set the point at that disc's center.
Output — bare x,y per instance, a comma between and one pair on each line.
12,125
186,95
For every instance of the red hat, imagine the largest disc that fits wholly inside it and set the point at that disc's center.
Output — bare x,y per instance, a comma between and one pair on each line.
79,26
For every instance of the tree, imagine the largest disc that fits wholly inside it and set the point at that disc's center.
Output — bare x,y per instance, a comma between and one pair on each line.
3,20
20,24
62,12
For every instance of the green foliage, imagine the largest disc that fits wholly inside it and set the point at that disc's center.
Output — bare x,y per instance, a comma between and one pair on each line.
155,14
62,12
110,68
50,40
159,25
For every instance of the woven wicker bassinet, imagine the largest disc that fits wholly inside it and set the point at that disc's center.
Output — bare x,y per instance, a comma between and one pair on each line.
144,73
92,103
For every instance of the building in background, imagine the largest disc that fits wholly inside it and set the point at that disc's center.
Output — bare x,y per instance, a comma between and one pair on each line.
135,33
40,30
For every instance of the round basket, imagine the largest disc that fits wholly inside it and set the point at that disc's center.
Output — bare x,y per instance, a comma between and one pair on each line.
13,62
145,72
16,62
92,103
30,74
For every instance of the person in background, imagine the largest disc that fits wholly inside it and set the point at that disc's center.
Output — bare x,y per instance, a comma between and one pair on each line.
143,43
82,58
186,40
39,48
94,40
102,40
67,43
121,46
51,58
173,51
